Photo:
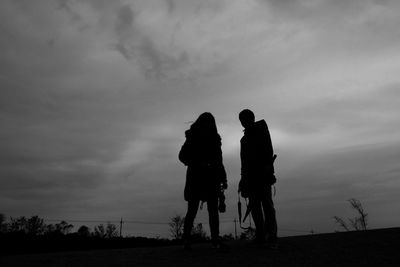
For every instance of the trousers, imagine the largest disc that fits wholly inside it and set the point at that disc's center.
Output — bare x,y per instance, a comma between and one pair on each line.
264,215
213,217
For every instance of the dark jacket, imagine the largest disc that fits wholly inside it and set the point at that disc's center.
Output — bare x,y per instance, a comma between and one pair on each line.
256,154
205,171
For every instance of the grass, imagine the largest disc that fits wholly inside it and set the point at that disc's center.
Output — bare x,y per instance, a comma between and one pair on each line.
365,248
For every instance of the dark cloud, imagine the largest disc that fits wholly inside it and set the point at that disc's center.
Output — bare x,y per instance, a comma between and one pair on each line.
125,20
310,10
125,30
346,26
157,64
319,187
66,5
57,145
136,46
355,170
171,5
355,112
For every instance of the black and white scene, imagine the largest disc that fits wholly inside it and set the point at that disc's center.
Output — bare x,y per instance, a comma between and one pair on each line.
199,133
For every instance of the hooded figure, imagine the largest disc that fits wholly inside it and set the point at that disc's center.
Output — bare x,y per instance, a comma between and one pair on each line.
205,176
257,158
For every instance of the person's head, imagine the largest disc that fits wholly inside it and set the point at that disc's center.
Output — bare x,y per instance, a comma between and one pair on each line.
205,123
246,118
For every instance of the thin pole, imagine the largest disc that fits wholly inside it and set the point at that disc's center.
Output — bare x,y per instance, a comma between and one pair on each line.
120,228
235,229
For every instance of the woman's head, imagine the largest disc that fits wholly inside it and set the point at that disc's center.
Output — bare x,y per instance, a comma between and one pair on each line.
205,123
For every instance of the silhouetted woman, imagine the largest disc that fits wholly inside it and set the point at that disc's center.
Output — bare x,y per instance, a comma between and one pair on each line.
205,177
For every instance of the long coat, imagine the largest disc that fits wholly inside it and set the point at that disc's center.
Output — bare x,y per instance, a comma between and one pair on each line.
205,173
256,154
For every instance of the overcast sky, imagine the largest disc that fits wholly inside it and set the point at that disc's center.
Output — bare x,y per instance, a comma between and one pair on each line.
95,96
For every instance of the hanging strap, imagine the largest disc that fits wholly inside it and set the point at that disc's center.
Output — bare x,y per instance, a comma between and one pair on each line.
240,212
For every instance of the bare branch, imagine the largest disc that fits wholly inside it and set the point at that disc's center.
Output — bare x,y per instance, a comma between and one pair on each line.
341,222
360,221
176,226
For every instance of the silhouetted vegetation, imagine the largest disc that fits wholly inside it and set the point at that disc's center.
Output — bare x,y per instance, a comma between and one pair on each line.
108,231
176,226
357,223
198,233
176,229
32,235
3,225
248,234
355,248
84,231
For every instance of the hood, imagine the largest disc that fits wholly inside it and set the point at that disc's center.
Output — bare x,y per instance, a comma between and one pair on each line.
257,127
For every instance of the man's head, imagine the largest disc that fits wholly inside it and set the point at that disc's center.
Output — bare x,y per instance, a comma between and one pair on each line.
246,118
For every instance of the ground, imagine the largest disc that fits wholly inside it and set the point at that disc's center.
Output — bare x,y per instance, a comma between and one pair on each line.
364,248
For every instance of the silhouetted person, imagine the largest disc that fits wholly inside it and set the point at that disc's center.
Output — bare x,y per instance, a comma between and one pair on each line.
257,176
205,176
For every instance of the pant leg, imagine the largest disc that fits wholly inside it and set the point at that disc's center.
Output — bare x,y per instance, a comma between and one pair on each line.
193,206
271,227
213,217
258,218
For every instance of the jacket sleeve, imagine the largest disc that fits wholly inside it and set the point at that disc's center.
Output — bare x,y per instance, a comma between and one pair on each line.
184,153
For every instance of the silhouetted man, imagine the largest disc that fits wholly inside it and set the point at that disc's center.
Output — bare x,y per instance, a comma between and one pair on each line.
257,170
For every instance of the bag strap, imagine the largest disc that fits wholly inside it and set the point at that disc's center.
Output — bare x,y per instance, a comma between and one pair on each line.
240,212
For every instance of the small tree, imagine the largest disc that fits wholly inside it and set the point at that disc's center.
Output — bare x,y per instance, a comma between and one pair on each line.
3,224
84,231
35,225
50,229
357,223
360,222
18,225
176,226
63,227
100,231
341,222
198,232
111,230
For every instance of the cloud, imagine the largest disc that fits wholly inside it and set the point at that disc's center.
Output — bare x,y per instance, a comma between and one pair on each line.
124,28
318,186
96,96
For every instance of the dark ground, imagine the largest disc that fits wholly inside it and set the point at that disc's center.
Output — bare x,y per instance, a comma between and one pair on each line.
367,248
